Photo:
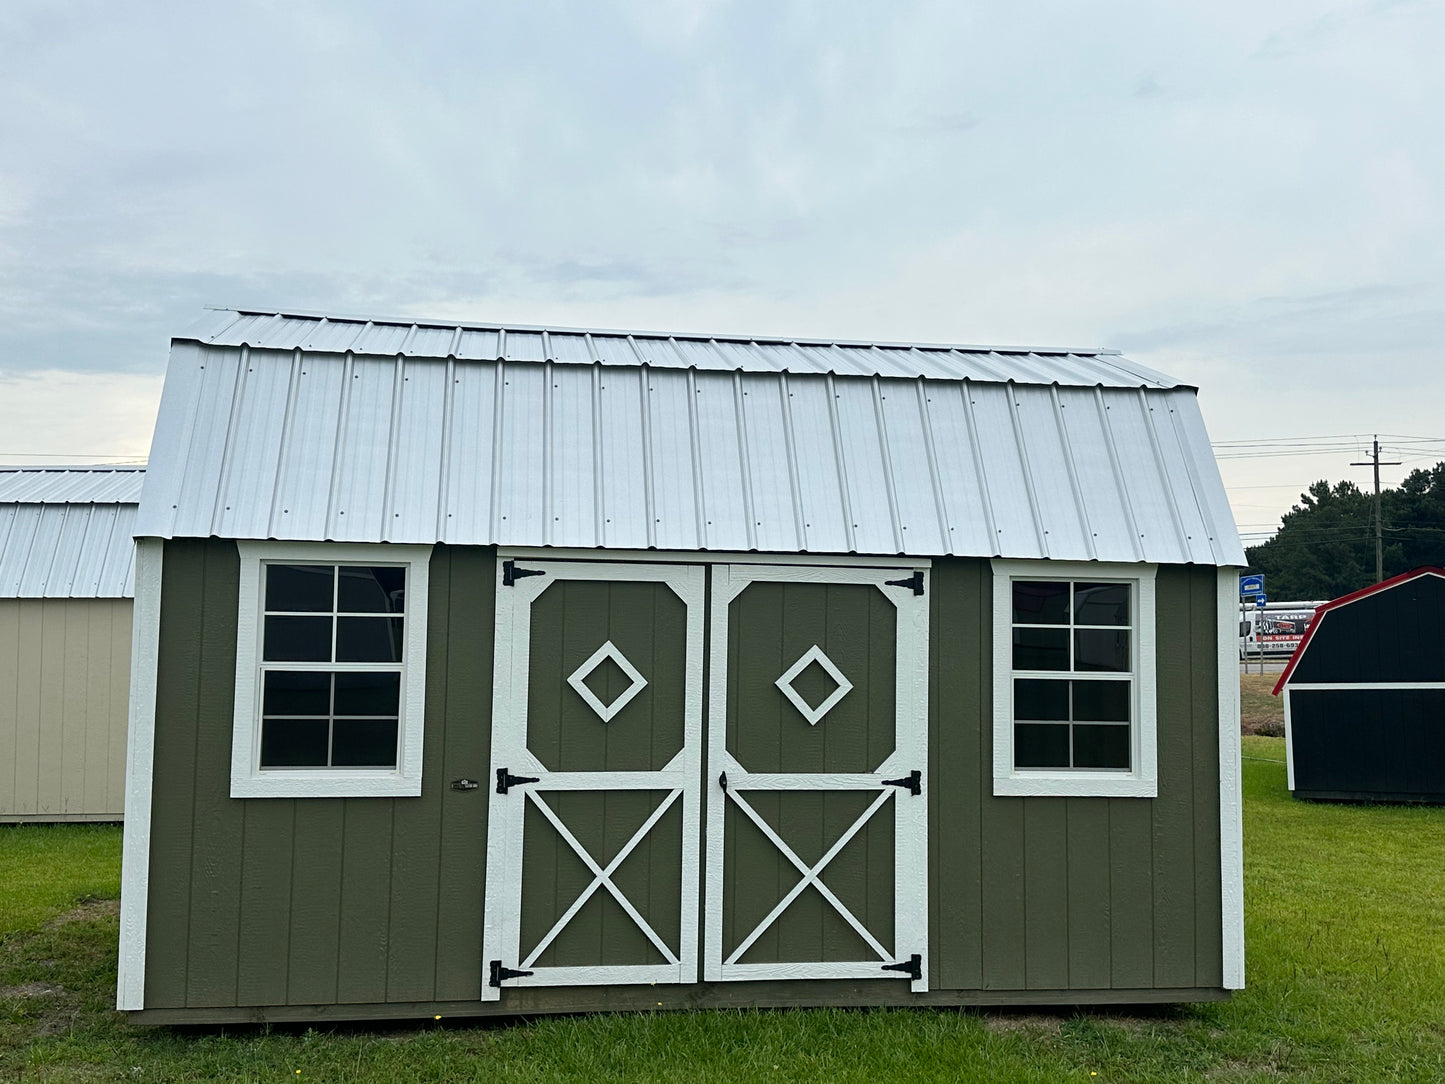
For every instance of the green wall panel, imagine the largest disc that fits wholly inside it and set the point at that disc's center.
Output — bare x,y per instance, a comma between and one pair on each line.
273,902
281,901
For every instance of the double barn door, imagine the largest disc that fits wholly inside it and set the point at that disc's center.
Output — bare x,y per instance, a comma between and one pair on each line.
767,821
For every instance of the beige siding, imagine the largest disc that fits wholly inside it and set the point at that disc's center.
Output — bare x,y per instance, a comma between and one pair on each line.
64,683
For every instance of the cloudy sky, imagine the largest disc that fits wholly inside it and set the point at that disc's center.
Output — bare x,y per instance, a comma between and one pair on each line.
1247,196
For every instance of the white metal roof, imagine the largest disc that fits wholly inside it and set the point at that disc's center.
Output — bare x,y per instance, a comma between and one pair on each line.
314,333
67,550
71,485
296,442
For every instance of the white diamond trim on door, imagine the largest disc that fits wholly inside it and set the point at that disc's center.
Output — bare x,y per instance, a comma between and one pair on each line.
814,654
892,781
680,778
579,677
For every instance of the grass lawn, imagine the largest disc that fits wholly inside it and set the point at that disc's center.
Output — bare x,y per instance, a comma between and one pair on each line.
1260,711
1346,959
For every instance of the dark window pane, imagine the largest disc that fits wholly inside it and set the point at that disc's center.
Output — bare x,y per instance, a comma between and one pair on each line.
1038,603
1048,700
1101,649
371,590
1101,603
293,743
290,692
299,587
367,694
368,639
297,639
1101,746
1040,746
364,743
1101,701
1041,649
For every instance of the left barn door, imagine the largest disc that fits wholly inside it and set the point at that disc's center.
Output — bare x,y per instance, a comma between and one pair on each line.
593,826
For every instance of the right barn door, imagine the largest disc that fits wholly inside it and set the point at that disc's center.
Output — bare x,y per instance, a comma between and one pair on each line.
817,854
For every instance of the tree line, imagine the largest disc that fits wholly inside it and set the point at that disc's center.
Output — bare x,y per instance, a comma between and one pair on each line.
1325,546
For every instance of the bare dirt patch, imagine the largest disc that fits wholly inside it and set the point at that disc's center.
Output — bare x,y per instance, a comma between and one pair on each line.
1006,1023
27,990
85,911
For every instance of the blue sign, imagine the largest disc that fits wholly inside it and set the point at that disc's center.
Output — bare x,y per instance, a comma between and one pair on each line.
1251,585
1260,599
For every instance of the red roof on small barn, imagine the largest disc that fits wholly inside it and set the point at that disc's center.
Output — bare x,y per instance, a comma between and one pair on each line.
1345,600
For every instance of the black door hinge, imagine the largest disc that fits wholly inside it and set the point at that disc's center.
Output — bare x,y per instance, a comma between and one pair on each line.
511,573
912,782
914,581
912,967
506,780
498,973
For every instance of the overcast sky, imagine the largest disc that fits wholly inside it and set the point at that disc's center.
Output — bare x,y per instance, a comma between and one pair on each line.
1247,196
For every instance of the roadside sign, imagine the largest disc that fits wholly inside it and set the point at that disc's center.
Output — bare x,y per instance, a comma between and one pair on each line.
1260,599
1251,585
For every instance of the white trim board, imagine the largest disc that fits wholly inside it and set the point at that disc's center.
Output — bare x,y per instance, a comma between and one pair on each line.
139,774
1143,780
1336,686
710,557
682,776
910,752
1231,799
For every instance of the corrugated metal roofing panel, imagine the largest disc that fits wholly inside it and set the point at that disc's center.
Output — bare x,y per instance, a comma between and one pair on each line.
70,485
67,550
433,339
481,452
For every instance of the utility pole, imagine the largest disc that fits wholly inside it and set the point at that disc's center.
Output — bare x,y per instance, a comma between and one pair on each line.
1374,461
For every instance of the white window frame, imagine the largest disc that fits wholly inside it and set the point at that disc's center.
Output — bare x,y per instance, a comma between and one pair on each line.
247,778
1140,782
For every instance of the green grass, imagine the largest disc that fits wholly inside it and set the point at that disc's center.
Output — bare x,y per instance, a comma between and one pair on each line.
1346,958
1260,711
45,869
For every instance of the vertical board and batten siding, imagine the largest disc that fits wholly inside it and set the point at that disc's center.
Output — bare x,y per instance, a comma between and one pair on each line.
64,691
315,902
1073,893
269,902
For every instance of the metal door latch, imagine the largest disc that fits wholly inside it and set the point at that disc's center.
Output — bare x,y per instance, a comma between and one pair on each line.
498,973
914,581
912,782
912,967
506,780
511,573
722,780
465,784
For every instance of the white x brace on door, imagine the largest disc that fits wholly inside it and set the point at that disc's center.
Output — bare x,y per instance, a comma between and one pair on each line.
798,778
596,735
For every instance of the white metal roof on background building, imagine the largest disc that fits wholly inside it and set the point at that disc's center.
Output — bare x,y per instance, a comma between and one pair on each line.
68,532
280,428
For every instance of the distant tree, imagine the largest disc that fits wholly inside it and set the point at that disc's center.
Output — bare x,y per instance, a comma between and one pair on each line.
1325,546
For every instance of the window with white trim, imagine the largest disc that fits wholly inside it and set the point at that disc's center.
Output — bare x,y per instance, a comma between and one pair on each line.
1074,694
330,670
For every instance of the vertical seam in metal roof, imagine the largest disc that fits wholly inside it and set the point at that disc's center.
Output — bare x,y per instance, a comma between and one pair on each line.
840,462
228,456
599,484
800,524
315,332
501,344
945,534
1073,470
546,345
1040,533
591,347
1192,473
889,486
694,434
444,459
188,433
498,414
408,339
338,443
109,541
455,344
751,523
1135,538
6,530
1163,470
235,319
649,499
54,555
636,350
548,455
360,333
389,515
293,391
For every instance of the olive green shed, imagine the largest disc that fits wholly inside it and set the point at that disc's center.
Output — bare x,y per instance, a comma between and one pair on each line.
504,762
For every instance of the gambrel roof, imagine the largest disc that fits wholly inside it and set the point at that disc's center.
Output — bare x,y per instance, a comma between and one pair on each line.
306,427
